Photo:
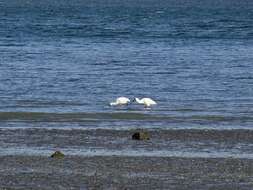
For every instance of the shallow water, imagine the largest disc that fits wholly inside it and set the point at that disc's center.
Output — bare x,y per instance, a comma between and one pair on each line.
187,143
62,62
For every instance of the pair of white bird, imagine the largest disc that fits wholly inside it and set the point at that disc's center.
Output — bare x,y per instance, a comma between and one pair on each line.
124,101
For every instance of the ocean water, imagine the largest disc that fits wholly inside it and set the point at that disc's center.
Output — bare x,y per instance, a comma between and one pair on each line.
63,62
193,57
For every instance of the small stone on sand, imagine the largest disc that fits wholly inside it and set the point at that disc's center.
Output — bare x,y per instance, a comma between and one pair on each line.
57,154
141,136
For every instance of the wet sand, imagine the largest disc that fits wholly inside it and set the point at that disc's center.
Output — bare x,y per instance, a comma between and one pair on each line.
100,142
114,172
110,159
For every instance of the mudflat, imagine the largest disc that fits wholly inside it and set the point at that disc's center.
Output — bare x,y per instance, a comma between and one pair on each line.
110,159
123,172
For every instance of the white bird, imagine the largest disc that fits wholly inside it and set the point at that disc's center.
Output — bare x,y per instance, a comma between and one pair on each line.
120,101
146,101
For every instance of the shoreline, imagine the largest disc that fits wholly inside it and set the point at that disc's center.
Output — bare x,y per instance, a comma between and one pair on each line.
163,143
125,171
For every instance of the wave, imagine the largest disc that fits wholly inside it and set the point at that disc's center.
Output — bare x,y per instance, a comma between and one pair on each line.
100,116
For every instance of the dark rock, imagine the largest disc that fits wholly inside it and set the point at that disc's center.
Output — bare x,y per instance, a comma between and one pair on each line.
141,136
57,154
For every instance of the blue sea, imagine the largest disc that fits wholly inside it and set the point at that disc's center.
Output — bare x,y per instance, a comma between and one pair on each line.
62,63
